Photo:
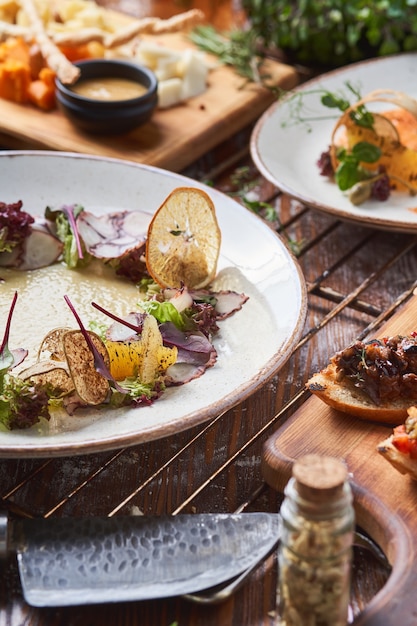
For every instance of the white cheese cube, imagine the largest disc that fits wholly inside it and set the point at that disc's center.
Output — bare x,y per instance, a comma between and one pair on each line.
194,74
169,92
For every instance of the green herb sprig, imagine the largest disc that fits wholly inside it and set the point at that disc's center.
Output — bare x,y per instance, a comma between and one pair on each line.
237,48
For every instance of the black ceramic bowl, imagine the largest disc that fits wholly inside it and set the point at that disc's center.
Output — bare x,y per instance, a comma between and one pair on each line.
109,116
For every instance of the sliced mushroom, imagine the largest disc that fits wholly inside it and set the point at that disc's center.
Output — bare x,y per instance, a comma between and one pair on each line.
51,373
91,386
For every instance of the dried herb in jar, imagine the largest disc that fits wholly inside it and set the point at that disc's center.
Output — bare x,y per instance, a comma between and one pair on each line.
316,544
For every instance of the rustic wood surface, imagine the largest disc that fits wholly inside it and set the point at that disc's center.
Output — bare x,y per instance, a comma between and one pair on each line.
357,278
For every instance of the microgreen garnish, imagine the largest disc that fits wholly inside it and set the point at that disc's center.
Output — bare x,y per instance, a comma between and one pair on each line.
332,101
299,109
360,115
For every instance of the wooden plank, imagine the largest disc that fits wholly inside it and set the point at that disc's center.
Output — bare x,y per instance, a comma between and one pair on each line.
173,138
385,500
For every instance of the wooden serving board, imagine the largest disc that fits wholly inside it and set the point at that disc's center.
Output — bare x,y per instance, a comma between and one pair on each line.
173,138
385,499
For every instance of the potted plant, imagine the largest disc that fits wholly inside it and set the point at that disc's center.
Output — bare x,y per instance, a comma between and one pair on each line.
334,32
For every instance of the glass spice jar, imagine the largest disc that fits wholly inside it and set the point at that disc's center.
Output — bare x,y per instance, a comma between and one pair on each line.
315,553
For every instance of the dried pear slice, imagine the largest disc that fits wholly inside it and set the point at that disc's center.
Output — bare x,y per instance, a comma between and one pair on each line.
152,341
50,373
145,358
91,386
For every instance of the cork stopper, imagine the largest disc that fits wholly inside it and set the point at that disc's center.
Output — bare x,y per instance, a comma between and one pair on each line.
319,478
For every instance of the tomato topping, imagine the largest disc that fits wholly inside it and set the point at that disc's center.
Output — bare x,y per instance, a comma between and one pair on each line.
403,443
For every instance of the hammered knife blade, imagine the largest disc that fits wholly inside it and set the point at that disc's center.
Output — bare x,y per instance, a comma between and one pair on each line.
75,561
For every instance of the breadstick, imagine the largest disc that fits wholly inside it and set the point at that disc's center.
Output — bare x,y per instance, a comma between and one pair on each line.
78,37
155,25
148,25
55,59
182,21
13,30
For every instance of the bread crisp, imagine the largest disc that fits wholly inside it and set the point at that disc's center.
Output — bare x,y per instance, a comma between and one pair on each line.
345,397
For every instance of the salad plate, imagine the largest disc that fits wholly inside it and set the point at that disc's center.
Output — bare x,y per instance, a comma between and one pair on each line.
252,344
289,138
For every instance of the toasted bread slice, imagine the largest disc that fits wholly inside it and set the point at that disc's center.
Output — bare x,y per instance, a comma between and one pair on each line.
345,397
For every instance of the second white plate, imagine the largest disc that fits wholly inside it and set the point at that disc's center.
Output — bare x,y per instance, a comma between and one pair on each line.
286,150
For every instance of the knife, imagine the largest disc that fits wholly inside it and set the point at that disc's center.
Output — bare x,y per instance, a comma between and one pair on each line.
75,561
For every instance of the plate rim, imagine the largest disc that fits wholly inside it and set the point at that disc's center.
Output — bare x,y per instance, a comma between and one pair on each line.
43,448
340,213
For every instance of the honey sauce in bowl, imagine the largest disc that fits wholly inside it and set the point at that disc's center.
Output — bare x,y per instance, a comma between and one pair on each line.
109,97
109,88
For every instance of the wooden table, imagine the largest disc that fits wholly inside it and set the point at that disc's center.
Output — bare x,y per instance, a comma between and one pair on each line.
356,277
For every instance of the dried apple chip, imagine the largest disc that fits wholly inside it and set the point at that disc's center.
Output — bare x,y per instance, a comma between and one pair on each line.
183,242
91,386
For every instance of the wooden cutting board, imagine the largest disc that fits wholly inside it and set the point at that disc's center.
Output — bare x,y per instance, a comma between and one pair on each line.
173,138
385,500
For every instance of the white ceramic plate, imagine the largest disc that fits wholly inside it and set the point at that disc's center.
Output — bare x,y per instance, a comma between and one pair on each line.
286,152
251,346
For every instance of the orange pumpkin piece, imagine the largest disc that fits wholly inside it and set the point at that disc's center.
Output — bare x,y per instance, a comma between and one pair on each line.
79,52
15,48
41,92
14,80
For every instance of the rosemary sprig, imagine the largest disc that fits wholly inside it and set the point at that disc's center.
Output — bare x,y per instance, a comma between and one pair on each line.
237,48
